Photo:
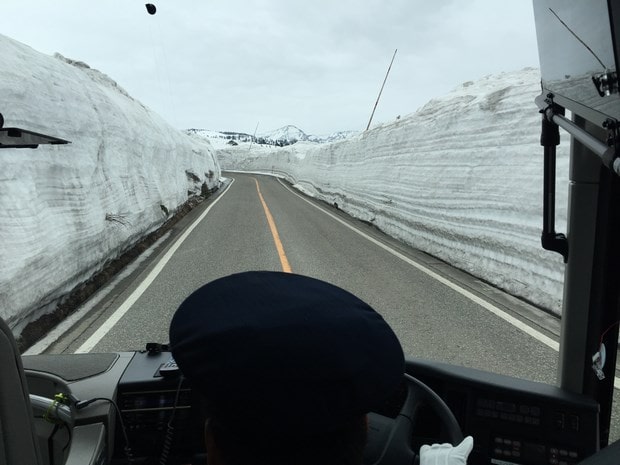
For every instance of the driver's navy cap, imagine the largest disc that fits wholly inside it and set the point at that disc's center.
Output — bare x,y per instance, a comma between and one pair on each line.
274,352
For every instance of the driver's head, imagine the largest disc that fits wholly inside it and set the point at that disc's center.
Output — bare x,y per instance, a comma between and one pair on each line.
288,367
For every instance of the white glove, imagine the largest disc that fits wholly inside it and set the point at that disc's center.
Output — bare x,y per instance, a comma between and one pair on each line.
446,454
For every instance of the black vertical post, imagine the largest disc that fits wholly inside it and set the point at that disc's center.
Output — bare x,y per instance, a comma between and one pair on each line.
604,297
550,139
591,279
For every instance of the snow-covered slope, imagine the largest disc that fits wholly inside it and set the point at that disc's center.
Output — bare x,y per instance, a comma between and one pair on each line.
461,179
66,210
287,135
333,137
217,138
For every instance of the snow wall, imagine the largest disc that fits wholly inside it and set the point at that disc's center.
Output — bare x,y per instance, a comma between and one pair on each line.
460,179
66,210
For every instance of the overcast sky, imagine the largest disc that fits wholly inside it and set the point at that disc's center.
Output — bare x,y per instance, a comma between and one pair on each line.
319,64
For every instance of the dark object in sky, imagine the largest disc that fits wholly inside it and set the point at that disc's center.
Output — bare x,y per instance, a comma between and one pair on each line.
151,8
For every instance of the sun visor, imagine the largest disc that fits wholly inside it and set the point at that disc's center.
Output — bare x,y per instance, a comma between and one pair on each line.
22,138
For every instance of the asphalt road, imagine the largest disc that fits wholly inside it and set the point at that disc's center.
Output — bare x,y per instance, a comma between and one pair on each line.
260,223
431,319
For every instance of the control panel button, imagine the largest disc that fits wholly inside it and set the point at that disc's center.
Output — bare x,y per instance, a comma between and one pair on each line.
573,422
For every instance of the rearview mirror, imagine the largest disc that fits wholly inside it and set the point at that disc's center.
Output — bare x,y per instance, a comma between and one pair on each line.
578,55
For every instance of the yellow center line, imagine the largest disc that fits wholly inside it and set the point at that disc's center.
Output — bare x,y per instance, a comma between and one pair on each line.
286,267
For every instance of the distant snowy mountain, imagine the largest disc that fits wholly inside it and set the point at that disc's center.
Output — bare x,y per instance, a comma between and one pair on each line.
283,136
333,137
288,133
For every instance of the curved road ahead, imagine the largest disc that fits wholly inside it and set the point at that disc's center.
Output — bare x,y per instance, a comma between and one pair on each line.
260,223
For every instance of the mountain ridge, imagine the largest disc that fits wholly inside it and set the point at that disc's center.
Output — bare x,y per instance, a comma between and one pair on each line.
286,135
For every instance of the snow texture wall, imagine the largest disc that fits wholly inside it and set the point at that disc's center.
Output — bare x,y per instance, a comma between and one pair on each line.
460,179
66,210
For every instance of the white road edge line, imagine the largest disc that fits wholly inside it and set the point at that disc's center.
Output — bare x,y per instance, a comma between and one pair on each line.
94,339
464,292
66,324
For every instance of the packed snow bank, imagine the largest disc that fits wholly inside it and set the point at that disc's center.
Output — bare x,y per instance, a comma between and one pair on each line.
67,210
460,179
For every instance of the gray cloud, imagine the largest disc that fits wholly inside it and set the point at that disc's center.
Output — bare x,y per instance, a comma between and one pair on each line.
318,65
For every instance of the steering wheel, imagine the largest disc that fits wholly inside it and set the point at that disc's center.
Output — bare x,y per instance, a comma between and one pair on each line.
389,439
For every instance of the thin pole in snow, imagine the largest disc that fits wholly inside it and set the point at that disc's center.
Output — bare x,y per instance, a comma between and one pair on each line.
382,86
254,136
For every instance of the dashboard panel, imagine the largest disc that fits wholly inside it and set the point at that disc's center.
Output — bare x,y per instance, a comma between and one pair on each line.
513,421
161,413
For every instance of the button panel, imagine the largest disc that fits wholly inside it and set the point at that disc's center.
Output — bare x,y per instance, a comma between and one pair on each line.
505,448
509,411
